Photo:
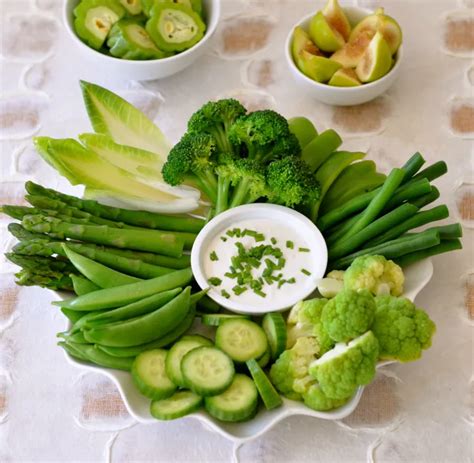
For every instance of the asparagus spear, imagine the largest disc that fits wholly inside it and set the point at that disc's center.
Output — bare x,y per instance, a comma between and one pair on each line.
22,234
138,218
134,267
42,265
56,282
142,240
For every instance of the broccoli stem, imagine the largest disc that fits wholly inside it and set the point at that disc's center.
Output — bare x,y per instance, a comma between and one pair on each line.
240,193
384,223
443,246
417,220
223,186
392,249
378,203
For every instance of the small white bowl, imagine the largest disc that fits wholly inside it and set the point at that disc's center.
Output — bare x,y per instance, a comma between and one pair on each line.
147,69
342,96
279,216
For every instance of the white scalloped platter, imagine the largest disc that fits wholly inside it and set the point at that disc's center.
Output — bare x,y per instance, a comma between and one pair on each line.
417,277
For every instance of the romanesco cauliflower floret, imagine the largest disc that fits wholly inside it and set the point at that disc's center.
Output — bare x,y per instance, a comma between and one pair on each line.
348,315
341,370
292,365
402,329
316,399
305,320
332,283
375,273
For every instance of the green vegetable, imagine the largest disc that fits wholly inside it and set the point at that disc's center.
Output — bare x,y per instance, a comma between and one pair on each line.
94,19
138,218
341,370
269,395
289,374
128,39
133,7
82,285
412,166
375,274
216,319
316,399
443,246
303,129
426,199
142,329
318,150
39,264
180,404
141,240
402,330
432,172
304,320
207,305
273,324
121,295
56,281
348,315
174,27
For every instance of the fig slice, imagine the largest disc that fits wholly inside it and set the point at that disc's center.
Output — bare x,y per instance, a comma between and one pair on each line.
376,61
345,77
302,41
324,35
379,22
337,19
318,68
351,53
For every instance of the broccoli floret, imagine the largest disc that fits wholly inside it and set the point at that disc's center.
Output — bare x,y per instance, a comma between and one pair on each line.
348,315
290,372
215,119
402,329
375,273
192,159
304,320
341,370
291,182
332,283
316,399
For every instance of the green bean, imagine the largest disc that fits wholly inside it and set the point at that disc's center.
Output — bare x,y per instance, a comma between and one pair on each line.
446,232
424,200
408,192
99,274
417,220
142,329
384,223
443,246
166,340
432,172
111,298
82,285
412,166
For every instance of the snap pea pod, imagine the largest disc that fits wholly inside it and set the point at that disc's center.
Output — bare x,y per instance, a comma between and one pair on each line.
99,274
303,129
93,354
142,329
111,298
139,218
72,351
135,309
72,315
166,340
77,337
82,285
318,150
208,305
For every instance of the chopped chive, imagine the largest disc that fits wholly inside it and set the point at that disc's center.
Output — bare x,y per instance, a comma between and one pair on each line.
239,290
273,240
290,244
225,294
268,280
223,238
213,256
306,272
259,237
230,275
214,281
304,250
259,293
291,280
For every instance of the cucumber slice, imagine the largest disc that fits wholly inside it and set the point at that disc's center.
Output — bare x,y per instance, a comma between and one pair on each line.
178,351
215,319
241,339
267,392
149,374
275,328
265,358
181,403
207,371
238,403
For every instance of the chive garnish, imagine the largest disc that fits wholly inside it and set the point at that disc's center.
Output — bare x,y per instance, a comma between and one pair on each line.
273,240
213,256
225,294
259,293
290,244
291,280
239,290
223,238
306,272
214,281
304,250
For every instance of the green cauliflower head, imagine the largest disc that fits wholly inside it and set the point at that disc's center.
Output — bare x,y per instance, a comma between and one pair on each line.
292,366
316,399
348,315
341,370
376,274
402,329
304,319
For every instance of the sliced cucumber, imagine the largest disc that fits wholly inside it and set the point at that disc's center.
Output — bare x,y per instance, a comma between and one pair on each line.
267,392
215,319
241,339
207,371
238,403
178,351
181,403
275,328
149,374
265,358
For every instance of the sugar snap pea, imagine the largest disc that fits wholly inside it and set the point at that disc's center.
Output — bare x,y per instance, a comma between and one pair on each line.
110,298
142,329
82,285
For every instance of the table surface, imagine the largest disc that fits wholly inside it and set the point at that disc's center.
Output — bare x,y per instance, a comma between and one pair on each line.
418,412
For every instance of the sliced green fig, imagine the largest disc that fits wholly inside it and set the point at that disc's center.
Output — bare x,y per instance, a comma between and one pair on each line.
302,41
377,60
351,53
324,35
345,77
317,68
337,19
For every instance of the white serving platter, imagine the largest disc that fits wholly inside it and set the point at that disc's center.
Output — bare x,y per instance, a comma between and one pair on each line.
417,277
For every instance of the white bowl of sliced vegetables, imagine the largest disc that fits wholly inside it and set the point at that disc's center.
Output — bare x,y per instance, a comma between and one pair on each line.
137,54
